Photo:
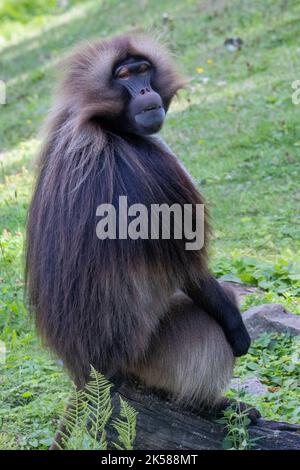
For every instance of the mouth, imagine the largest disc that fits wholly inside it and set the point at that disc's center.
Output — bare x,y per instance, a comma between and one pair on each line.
151,118
151,108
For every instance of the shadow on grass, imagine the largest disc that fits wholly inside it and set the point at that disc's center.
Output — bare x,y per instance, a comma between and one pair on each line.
31,64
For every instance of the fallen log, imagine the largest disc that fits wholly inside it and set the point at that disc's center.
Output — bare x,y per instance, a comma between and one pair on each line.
162,425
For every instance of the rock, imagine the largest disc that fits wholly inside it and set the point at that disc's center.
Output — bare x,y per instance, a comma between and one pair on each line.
251,385
271,318
233,44
241,290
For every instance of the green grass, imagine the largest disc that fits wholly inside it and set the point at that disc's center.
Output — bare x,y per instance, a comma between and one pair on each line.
237,132
274,359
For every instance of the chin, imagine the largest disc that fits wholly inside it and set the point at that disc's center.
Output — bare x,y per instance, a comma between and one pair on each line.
150,121
149,131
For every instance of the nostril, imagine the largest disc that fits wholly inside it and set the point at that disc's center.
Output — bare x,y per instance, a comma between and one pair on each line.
144,90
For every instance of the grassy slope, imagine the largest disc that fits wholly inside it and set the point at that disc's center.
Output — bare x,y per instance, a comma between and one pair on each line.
238,134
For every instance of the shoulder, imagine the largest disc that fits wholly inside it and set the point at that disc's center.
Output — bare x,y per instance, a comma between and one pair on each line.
157,140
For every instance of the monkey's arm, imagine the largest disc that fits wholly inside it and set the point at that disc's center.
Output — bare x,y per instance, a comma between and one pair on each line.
210,295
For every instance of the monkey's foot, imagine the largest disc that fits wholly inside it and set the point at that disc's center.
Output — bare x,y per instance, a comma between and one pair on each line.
57,442
252,413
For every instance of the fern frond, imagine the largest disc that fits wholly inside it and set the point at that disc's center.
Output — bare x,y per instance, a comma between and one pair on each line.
72,416
88,413
125,426
99,407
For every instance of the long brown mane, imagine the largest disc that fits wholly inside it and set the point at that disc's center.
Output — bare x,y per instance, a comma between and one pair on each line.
88,293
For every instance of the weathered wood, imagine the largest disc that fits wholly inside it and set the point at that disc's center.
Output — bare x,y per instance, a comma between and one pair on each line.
162,425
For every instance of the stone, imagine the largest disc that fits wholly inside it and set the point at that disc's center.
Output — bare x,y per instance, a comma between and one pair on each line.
271,318
241,290
251,385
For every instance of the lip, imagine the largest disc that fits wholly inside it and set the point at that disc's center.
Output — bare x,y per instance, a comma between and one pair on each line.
151,108
154,114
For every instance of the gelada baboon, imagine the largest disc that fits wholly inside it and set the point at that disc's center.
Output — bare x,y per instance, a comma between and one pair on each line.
147,307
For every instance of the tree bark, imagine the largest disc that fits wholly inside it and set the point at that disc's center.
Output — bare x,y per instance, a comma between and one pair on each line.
162,425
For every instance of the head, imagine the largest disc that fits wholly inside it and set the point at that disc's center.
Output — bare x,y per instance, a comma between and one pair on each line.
145,111
124,84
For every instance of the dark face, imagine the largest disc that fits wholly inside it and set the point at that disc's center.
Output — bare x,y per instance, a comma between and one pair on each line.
144,113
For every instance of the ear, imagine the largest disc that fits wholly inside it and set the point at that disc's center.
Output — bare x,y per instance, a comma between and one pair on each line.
85,87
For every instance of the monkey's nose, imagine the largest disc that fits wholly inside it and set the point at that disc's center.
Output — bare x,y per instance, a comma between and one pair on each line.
148,101
143,91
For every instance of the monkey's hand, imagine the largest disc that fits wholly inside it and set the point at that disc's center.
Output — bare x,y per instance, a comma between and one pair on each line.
220,303
239,339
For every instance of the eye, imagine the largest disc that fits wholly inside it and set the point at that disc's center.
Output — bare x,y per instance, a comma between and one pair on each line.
143,68
123,73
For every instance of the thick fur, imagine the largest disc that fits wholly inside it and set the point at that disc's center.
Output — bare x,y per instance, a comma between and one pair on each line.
109,303
189,356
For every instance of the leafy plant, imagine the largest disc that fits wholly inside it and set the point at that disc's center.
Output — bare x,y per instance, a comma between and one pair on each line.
275,360
126,427
277,282
236,422
7,442
87,415
282,277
